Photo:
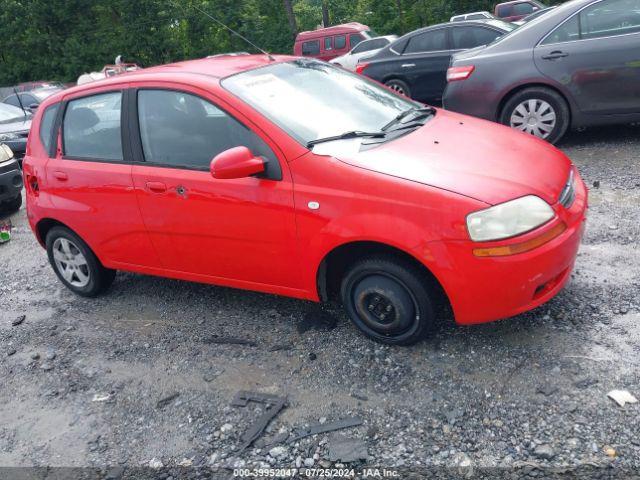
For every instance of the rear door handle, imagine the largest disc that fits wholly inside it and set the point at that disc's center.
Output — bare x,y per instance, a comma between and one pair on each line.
408,65
62,176
156,187
555,54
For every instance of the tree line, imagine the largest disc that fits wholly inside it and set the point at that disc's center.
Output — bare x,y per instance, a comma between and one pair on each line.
61,39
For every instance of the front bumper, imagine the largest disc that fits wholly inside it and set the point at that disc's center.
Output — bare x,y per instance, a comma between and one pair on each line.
483,289
10,180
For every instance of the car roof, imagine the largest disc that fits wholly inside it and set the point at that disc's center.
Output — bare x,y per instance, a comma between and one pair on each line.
512,2
334,30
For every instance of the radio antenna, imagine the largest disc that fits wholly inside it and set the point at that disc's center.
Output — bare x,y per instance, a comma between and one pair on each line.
269,56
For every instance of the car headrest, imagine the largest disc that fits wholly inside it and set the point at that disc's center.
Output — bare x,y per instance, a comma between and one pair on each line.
81,118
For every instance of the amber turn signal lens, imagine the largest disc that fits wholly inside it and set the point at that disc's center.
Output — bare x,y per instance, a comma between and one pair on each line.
521,247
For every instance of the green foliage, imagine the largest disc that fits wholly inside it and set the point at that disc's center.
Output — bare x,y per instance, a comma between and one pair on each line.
61,39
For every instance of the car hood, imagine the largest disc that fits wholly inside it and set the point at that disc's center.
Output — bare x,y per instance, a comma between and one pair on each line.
472,157
19,125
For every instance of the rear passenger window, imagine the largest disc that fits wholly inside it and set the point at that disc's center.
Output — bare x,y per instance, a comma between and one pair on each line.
46,127
311,48
505,11
91,127
610,18
428,42
181,130
522,9
340,42
327,43
470,37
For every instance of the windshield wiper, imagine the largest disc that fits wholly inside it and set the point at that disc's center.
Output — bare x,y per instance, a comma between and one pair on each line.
402,115
345,136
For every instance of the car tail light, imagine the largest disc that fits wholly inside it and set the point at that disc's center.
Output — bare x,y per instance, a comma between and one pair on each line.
459,73
361,66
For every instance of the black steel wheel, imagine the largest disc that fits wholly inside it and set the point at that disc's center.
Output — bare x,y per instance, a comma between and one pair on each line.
388,300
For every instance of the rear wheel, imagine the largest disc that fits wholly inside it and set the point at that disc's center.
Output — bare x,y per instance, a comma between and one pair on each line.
388,300
399,86
537,111
75,264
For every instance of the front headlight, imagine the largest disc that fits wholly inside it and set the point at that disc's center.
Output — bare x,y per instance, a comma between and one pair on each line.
8,136
508,219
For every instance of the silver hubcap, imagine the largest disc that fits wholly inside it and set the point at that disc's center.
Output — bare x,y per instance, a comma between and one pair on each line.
397,88
70,262
534,116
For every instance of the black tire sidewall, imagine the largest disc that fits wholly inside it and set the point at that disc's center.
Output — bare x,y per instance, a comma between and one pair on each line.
96,270
554,99
400,83
410,278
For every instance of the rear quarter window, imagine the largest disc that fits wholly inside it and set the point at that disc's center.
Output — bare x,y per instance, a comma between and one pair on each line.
311,48
46,128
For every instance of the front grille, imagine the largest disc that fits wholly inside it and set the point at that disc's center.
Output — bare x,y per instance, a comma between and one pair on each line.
568,194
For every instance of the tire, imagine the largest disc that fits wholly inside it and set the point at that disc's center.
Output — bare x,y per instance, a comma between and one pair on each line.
376,287
75,264
399,86
13,205
551,115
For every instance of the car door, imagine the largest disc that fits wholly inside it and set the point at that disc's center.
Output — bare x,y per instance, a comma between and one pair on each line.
424,64
88,182
239,232
594,55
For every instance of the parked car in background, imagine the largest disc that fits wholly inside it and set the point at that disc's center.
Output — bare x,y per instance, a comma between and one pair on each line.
296,177
14,129
517,9
364,49
576,66
534,15
10,181
118,68
26,86
416,64
472,16
30,100
331,42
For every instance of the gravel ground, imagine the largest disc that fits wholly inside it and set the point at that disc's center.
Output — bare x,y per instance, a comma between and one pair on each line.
135,384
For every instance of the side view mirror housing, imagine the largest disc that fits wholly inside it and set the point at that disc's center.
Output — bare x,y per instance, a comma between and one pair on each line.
33,107
237,162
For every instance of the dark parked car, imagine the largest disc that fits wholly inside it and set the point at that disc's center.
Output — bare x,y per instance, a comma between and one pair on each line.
10,181
31,99
14,129
517,9
416,64
576,66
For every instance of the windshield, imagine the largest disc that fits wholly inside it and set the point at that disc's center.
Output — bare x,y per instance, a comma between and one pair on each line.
10,113
312,100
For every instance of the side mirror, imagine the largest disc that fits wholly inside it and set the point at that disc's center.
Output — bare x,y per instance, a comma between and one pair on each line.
237,162
33,107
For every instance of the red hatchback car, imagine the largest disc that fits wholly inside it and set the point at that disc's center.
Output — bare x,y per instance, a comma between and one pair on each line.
295,177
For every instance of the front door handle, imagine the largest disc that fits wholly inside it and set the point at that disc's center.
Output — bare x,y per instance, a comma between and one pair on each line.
156,187
555,54
408,65
62,176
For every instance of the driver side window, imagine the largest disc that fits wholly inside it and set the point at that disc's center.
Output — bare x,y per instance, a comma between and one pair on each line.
181,130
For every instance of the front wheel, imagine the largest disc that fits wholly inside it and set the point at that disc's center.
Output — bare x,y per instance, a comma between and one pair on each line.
75,264
399,86
537,111
388,300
